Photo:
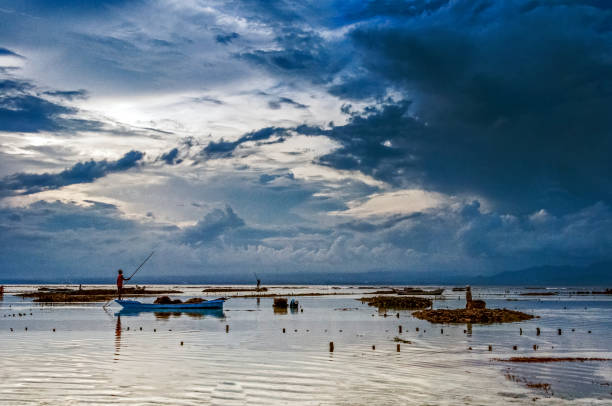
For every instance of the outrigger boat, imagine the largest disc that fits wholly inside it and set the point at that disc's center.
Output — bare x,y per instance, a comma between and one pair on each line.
417,291
136,305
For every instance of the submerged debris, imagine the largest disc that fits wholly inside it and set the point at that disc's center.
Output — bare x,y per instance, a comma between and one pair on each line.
472,315
398,303
401,340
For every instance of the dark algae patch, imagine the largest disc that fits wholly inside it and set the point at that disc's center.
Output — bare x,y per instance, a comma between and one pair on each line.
398,303
550,359
472,315
88,295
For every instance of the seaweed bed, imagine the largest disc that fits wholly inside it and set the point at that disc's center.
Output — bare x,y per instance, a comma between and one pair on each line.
87,295
262,295
398,303
550,359
472,316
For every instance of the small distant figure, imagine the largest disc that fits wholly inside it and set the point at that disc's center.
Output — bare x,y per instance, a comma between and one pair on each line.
80,287
258,284
120,280
1,289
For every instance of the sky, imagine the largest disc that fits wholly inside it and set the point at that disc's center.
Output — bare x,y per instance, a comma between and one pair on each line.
231,137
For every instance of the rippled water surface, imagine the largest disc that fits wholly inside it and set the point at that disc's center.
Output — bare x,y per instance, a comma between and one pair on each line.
98,356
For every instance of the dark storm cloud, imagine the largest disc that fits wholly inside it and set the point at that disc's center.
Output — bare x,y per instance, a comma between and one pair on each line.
81,172
23,109
359,88
68,94
394,9
12,85
508,100
223,149
226,38
520,121
277,103
8,52
212,226
28,113
301,54
171,157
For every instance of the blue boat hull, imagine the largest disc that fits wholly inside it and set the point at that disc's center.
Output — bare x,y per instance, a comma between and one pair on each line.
166,313
136,305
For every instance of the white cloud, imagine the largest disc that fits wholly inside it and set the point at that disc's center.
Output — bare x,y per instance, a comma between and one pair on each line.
395,202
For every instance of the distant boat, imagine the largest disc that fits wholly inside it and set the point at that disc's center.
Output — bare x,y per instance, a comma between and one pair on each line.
136,305
417,291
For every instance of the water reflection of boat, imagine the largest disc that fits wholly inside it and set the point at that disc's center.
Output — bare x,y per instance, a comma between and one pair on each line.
167,313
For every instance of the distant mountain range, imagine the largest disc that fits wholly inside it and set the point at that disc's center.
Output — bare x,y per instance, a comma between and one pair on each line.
598,274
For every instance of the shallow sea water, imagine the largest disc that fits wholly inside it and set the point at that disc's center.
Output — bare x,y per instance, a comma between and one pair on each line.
98,356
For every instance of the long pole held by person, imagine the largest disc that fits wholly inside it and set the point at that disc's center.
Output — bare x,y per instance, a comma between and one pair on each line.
143,262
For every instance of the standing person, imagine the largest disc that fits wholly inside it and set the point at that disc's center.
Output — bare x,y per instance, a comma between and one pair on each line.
468,297
120,280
